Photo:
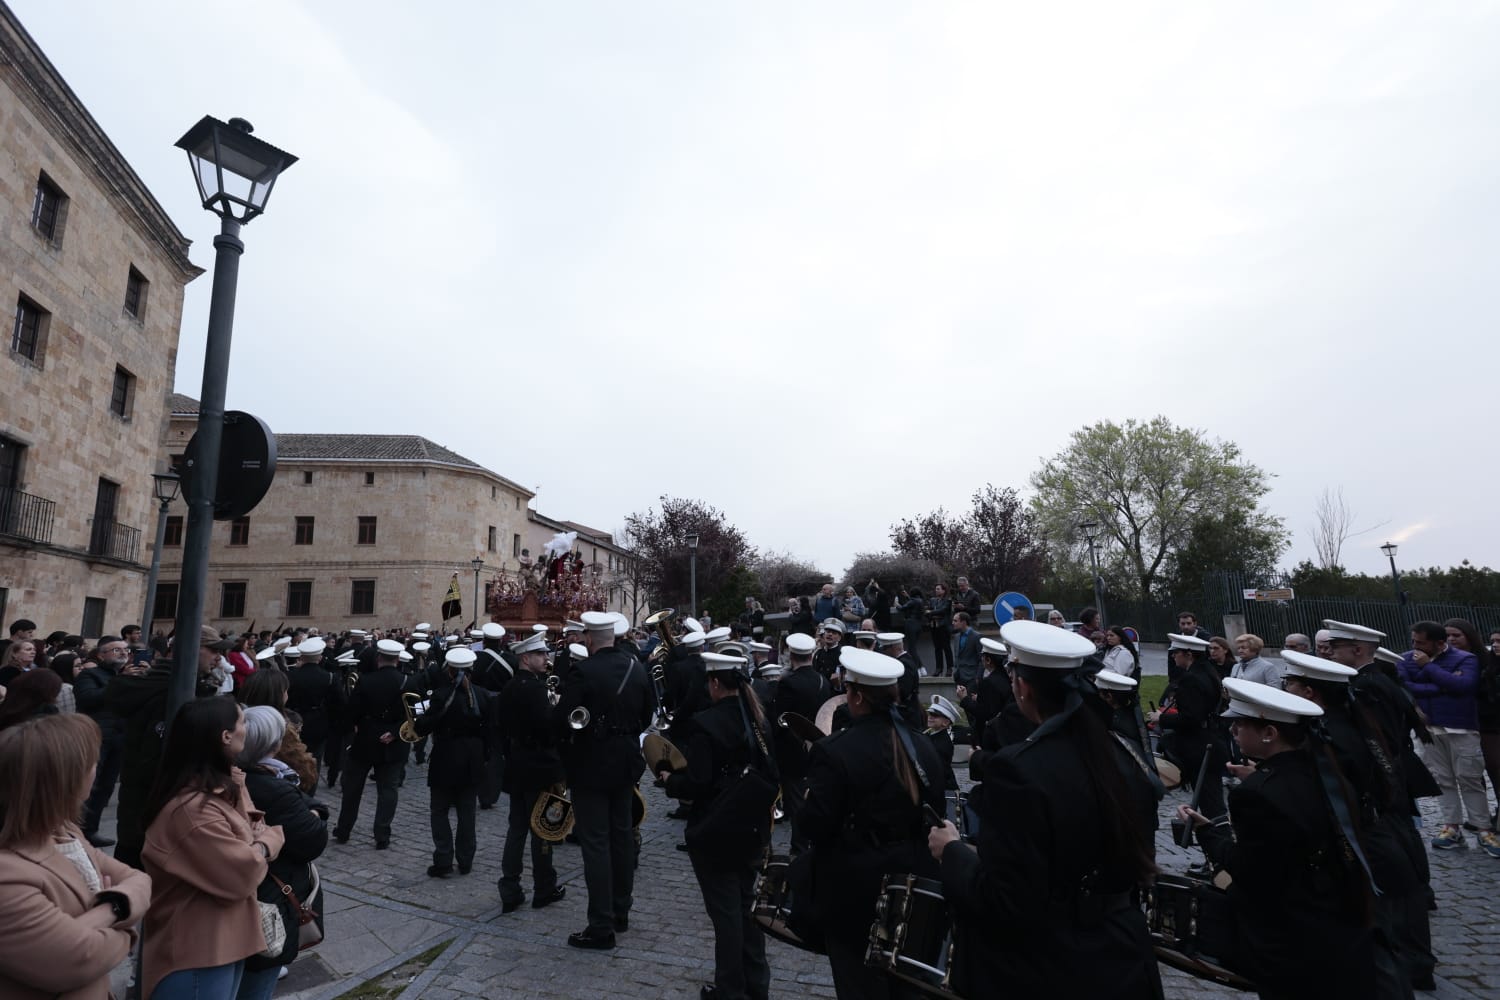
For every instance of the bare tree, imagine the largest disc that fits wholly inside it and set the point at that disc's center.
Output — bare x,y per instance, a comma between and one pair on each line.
1333,525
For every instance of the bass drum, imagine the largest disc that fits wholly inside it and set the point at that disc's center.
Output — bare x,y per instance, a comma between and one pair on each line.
912,936
1193,929
772,908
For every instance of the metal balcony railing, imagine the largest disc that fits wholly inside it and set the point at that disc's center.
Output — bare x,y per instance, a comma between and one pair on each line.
114,540
25,516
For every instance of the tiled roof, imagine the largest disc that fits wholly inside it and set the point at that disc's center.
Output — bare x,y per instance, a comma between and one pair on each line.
178,403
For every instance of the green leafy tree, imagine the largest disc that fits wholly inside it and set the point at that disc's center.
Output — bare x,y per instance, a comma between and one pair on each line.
659,541
1249,541
1149,486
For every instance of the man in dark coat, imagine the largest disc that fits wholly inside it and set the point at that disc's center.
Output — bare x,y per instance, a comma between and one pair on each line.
1194,726
91,689
685,683
532,767
966,650
908,695
460,718
315,694
375,713
983,701
493,669
603,762
802,690
866,787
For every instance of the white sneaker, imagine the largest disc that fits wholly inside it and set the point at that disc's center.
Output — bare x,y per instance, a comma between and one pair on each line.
282,974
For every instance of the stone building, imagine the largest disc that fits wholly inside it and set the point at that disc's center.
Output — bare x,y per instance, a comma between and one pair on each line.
94,271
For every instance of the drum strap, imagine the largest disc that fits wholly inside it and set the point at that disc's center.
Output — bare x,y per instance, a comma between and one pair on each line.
1333,792
904,733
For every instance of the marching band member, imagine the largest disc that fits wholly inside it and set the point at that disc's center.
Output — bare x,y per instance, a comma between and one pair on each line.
802,690
941,715
376,713
460,719
727,834
830,641
603,762
1194,727
863,815
907,694
1300,904
532,767
1043,907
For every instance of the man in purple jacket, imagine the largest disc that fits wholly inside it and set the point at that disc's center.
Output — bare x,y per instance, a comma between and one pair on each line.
1445,683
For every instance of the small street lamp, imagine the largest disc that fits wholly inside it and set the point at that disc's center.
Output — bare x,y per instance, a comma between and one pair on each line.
235,173
692,544
164,485
478,565
1389,551
1090,531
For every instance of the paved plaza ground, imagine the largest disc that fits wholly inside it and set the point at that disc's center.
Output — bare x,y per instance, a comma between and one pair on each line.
384,914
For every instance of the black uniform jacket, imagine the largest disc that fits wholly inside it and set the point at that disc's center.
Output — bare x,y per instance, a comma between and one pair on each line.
986,700
862,822
605,754
461,721
1025,926
685,685
942,743
802,691
375,709
1195,725
1381,798
716,749
1396,714
1295,895
493,669
315,694
531,759
909,694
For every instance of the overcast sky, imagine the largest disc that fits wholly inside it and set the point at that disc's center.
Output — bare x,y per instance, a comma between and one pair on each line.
828,265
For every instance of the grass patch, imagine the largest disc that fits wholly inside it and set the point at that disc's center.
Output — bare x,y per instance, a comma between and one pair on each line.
1151,689
390,985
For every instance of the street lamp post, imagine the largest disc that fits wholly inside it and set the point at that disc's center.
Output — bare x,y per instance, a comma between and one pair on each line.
478,565
692,544
1389,550
165,487
235,173
1090,531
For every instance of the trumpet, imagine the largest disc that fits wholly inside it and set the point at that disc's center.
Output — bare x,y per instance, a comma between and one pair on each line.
662,719
578,718
553,683
414,705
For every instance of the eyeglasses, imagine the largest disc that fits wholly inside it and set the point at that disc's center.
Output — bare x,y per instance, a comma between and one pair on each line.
115,649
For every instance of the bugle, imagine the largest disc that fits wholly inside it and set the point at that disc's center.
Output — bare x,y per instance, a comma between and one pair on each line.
415,706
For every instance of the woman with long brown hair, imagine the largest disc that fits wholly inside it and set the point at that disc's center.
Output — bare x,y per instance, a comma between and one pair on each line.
67,912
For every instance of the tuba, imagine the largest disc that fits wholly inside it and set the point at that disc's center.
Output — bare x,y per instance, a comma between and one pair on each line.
661,622
415,706
552,816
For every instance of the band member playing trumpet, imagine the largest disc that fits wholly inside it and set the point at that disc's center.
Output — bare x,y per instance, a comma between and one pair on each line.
532,767
609,694
801,691
866,787
726,850
376,712
1043,908
461,721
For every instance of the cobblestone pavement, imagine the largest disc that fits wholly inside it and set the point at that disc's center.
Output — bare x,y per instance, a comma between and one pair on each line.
383,910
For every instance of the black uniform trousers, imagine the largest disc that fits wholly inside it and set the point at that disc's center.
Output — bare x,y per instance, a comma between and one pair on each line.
740,969
446,798
387,779
111,756
606,836
517,829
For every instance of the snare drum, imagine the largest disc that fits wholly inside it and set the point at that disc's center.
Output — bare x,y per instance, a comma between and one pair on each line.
773,902
912,937
1193,928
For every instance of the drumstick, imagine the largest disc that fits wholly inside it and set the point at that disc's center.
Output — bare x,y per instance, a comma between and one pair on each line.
1185,835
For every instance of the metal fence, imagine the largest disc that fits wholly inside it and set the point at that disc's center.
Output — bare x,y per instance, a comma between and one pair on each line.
115,541
25,516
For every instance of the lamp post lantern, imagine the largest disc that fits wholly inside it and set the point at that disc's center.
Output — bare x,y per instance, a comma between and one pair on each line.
1389,551
235,173
478,565
692,544
164,485
1090,531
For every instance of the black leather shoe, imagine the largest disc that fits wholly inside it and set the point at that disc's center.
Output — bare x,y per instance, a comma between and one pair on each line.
622,924
439,871
511,905
549,898
465,869
99,840
682,846
381,845
342,838
678,813
588,939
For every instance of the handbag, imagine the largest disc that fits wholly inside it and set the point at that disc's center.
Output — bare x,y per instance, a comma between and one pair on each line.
272,927
309,927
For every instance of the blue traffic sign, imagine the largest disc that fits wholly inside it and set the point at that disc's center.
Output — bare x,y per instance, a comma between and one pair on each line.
1007,603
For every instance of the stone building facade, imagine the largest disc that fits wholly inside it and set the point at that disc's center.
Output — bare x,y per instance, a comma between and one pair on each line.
93,271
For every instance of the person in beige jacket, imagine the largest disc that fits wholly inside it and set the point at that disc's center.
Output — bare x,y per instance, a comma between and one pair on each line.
207,850
67,912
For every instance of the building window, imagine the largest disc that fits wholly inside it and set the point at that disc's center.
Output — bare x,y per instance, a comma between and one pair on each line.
122,397
492,492
165,608
369,479
102,538
135,294
239,531
29,338
307,479
515,546
366,531
304,531
518,503
362,597
47,210
492,539
93,617
174,463
298,598
232,599
172,537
